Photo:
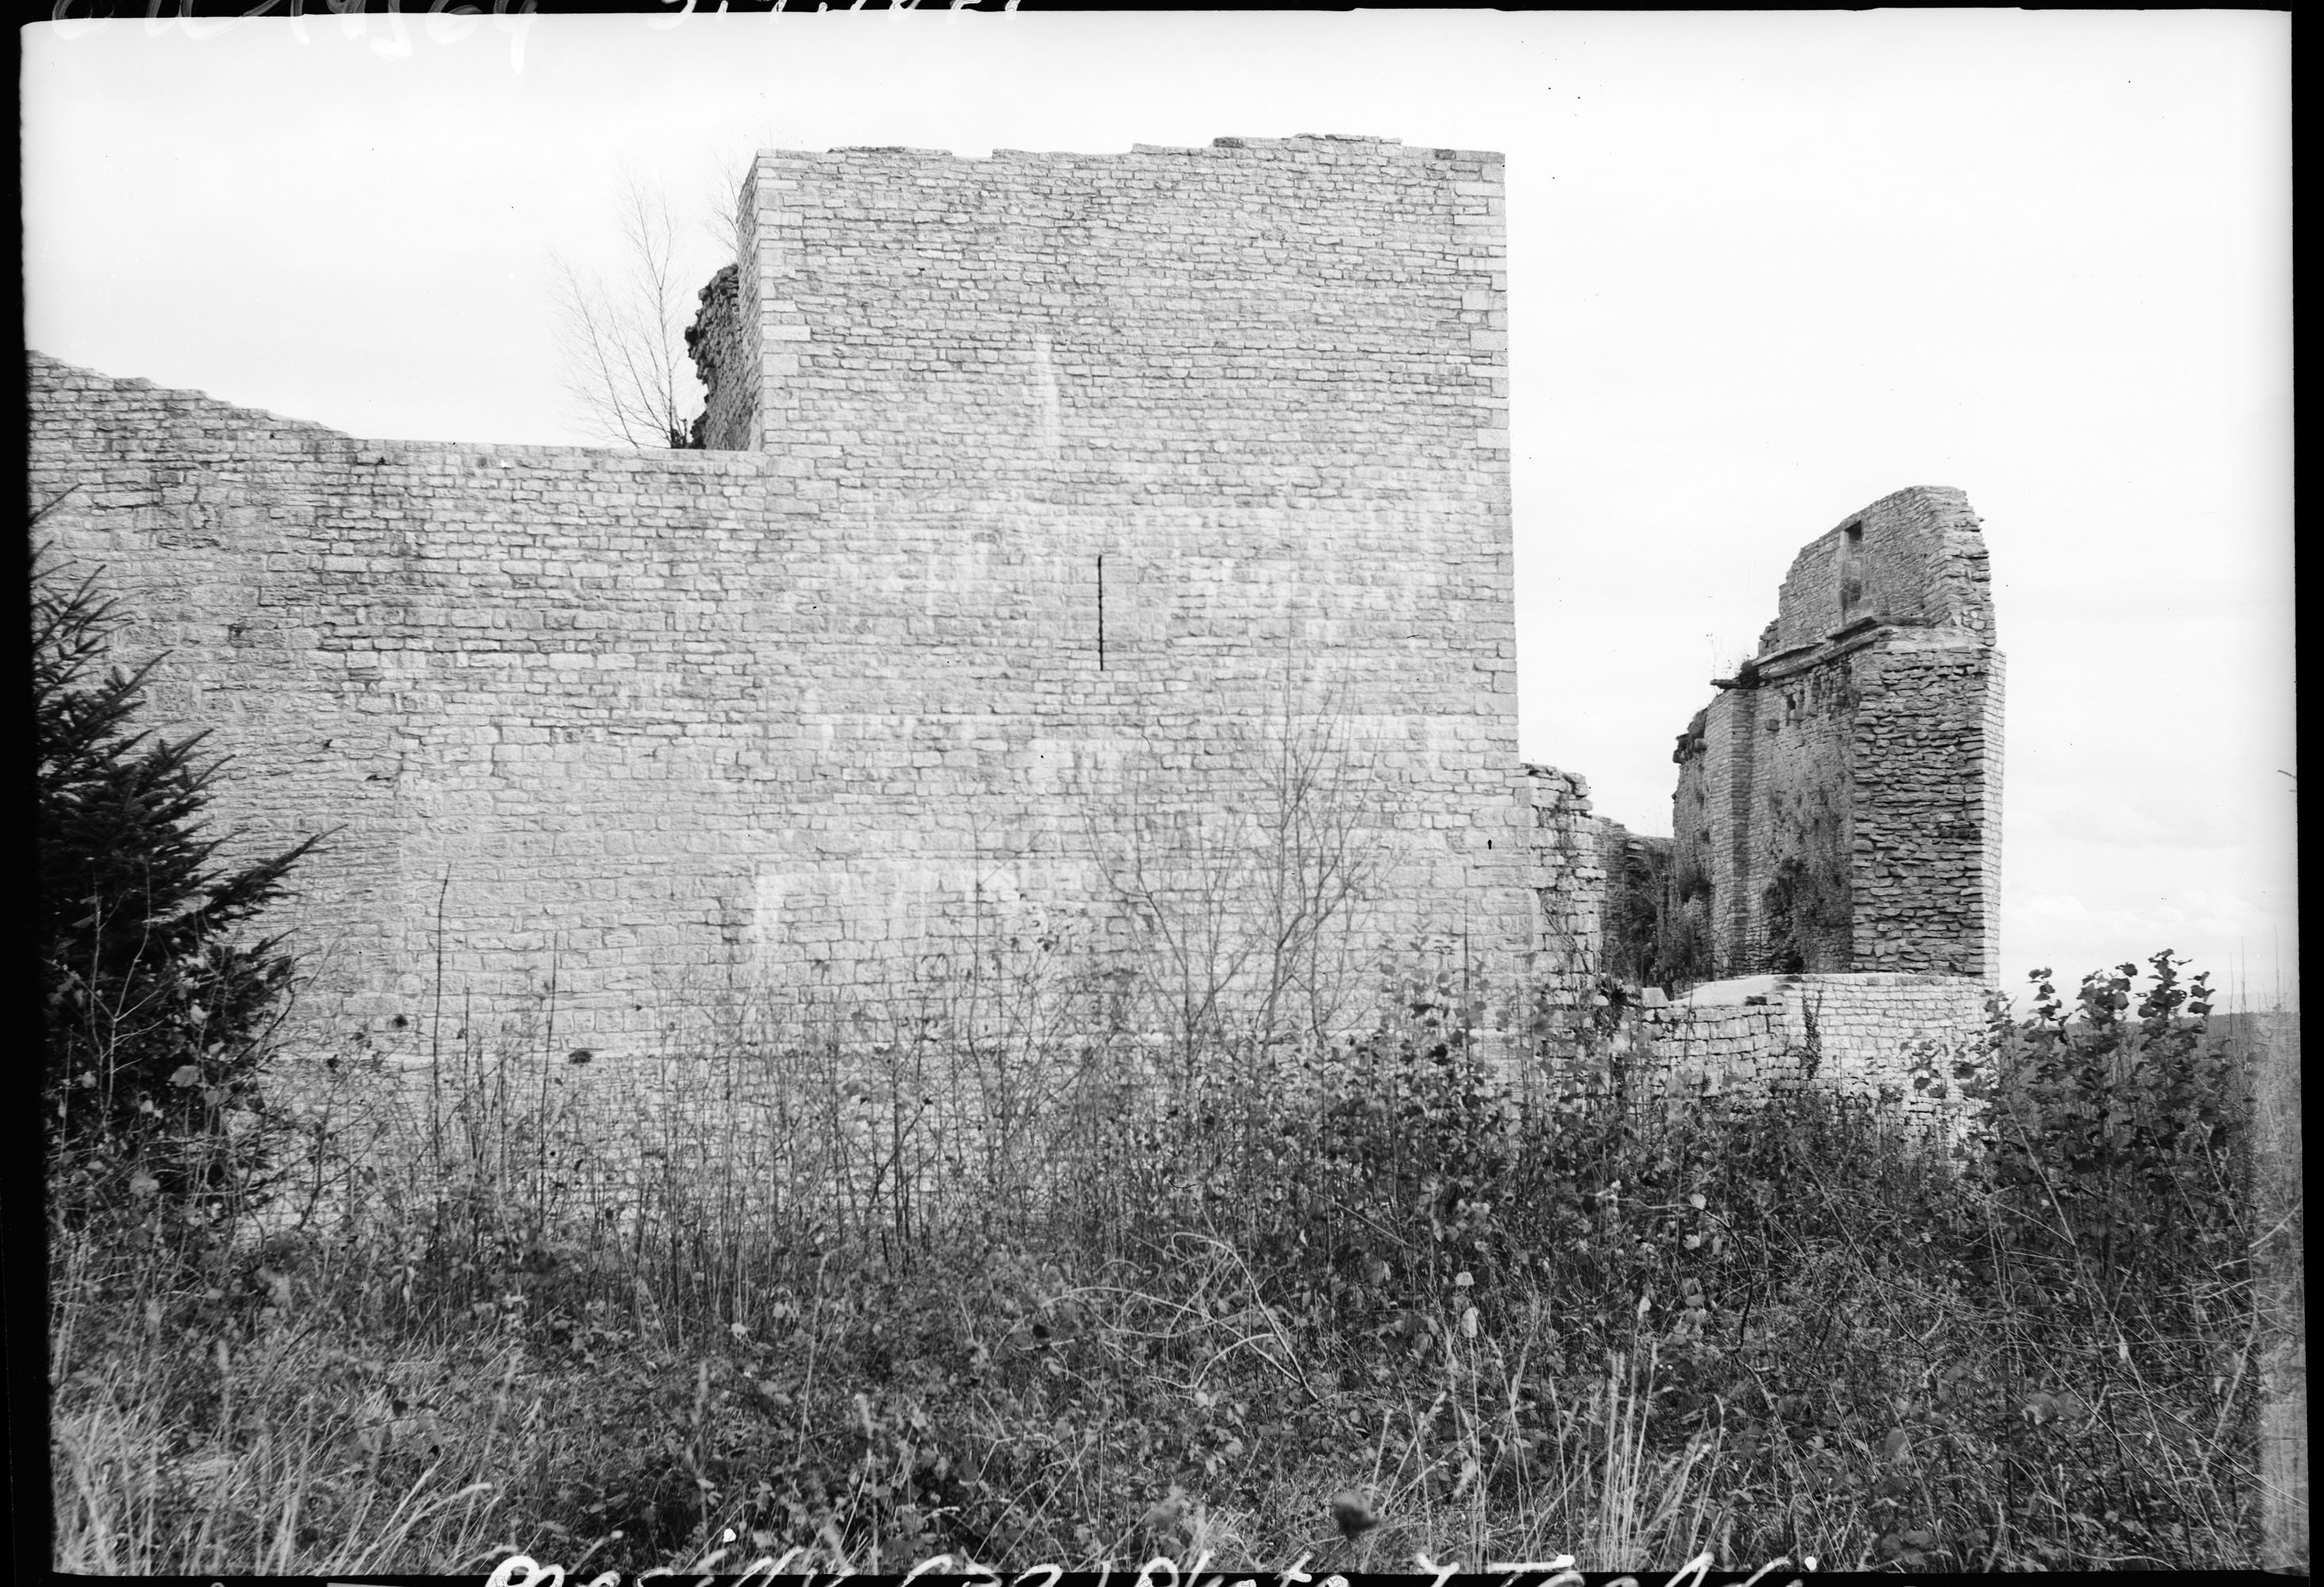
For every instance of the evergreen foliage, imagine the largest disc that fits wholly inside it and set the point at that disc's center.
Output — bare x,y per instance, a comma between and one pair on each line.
156,1004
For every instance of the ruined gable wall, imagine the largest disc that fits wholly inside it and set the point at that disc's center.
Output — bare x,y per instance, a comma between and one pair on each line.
653,719
1841,795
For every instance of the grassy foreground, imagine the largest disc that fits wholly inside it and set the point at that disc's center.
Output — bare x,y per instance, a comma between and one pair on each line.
867,1295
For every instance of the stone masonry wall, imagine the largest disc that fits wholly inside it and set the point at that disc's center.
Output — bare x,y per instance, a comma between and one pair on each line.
719,349
1686,935
1078,488
1567,877
1838,805
515,679
1786,866
1638,898
1918,557
1927,829
1902,1037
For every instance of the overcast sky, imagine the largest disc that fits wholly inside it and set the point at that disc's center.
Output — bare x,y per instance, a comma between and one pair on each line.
1764,269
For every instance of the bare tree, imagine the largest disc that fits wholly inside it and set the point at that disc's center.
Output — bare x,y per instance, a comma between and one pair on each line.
624,340
1251,918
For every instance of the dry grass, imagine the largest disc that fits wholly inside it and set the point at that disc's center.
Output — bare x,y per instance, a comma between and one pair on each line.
819,1315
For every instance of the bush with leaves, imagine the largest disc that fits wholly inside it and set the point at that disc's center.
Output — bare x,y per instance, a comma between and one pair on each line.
157,1003
2118,1129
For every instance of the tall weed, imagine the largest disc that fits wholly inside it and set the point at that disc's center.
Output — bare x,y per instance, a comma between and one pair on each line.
779,1294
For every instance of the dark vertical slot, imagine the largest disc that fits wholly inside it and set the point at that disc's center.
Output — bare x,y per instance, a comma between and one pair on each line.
1851,574
1101,611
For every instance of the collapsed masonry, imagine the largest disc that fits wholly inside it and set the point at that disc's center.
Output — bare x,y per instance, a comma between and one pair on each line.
1830,894
1068,532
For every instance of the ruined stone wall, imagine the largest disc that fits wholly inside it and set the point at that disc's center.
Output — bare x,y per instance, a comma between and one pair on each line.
1686,934
1638,900
1916,557
1253,325
1838,804
1789,895
721,355
1908,1040
516,678
1079,489
1567,879
1927,831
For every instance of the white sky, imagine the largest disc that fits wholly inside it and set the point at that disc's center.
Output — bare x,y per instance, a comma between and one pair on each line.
1764,269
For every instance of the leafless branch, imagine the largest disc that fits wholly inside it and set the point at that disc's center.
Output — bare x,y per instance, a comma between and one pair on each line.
623,340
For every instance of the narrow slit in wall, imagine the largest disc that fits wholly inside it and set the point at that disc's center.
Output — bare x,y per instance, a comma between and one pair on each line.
1851,572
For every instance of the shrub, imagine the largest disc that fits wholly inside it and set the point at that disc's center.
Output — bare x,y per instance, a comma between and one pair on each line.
2118,1132
972,1267
156,1005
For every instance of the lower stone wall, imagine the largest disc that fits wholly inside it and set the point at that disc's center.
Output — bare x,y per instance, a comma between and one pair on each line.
1904,1038
817,1107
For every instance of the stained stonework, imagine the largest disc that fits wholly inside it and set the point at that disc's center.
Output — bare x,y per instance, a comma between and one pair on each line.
1838,803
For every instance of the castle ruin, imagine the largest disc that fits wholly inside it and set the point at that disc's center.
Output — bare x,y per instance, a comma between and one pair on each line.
1053,510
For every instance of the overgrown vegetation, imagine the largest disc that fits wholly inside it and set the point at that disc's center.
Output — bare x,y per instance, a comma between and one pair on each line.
807,1317
1637,891
997,1261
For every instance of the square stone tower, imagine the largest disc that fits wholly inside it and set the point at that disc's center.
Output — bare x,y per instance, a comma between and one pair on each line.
1156,453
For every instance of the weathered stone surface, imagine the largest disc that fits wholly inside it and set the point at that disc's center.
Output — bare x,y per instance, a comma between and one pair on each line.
1902,1037
1839,804
714,342
1057,490
1567,879
1060,514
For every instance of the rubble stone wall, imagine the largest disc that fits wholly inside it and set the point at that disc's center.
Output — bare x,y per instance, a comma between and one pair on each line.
1927,837
1078,542
716,342
1638,899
